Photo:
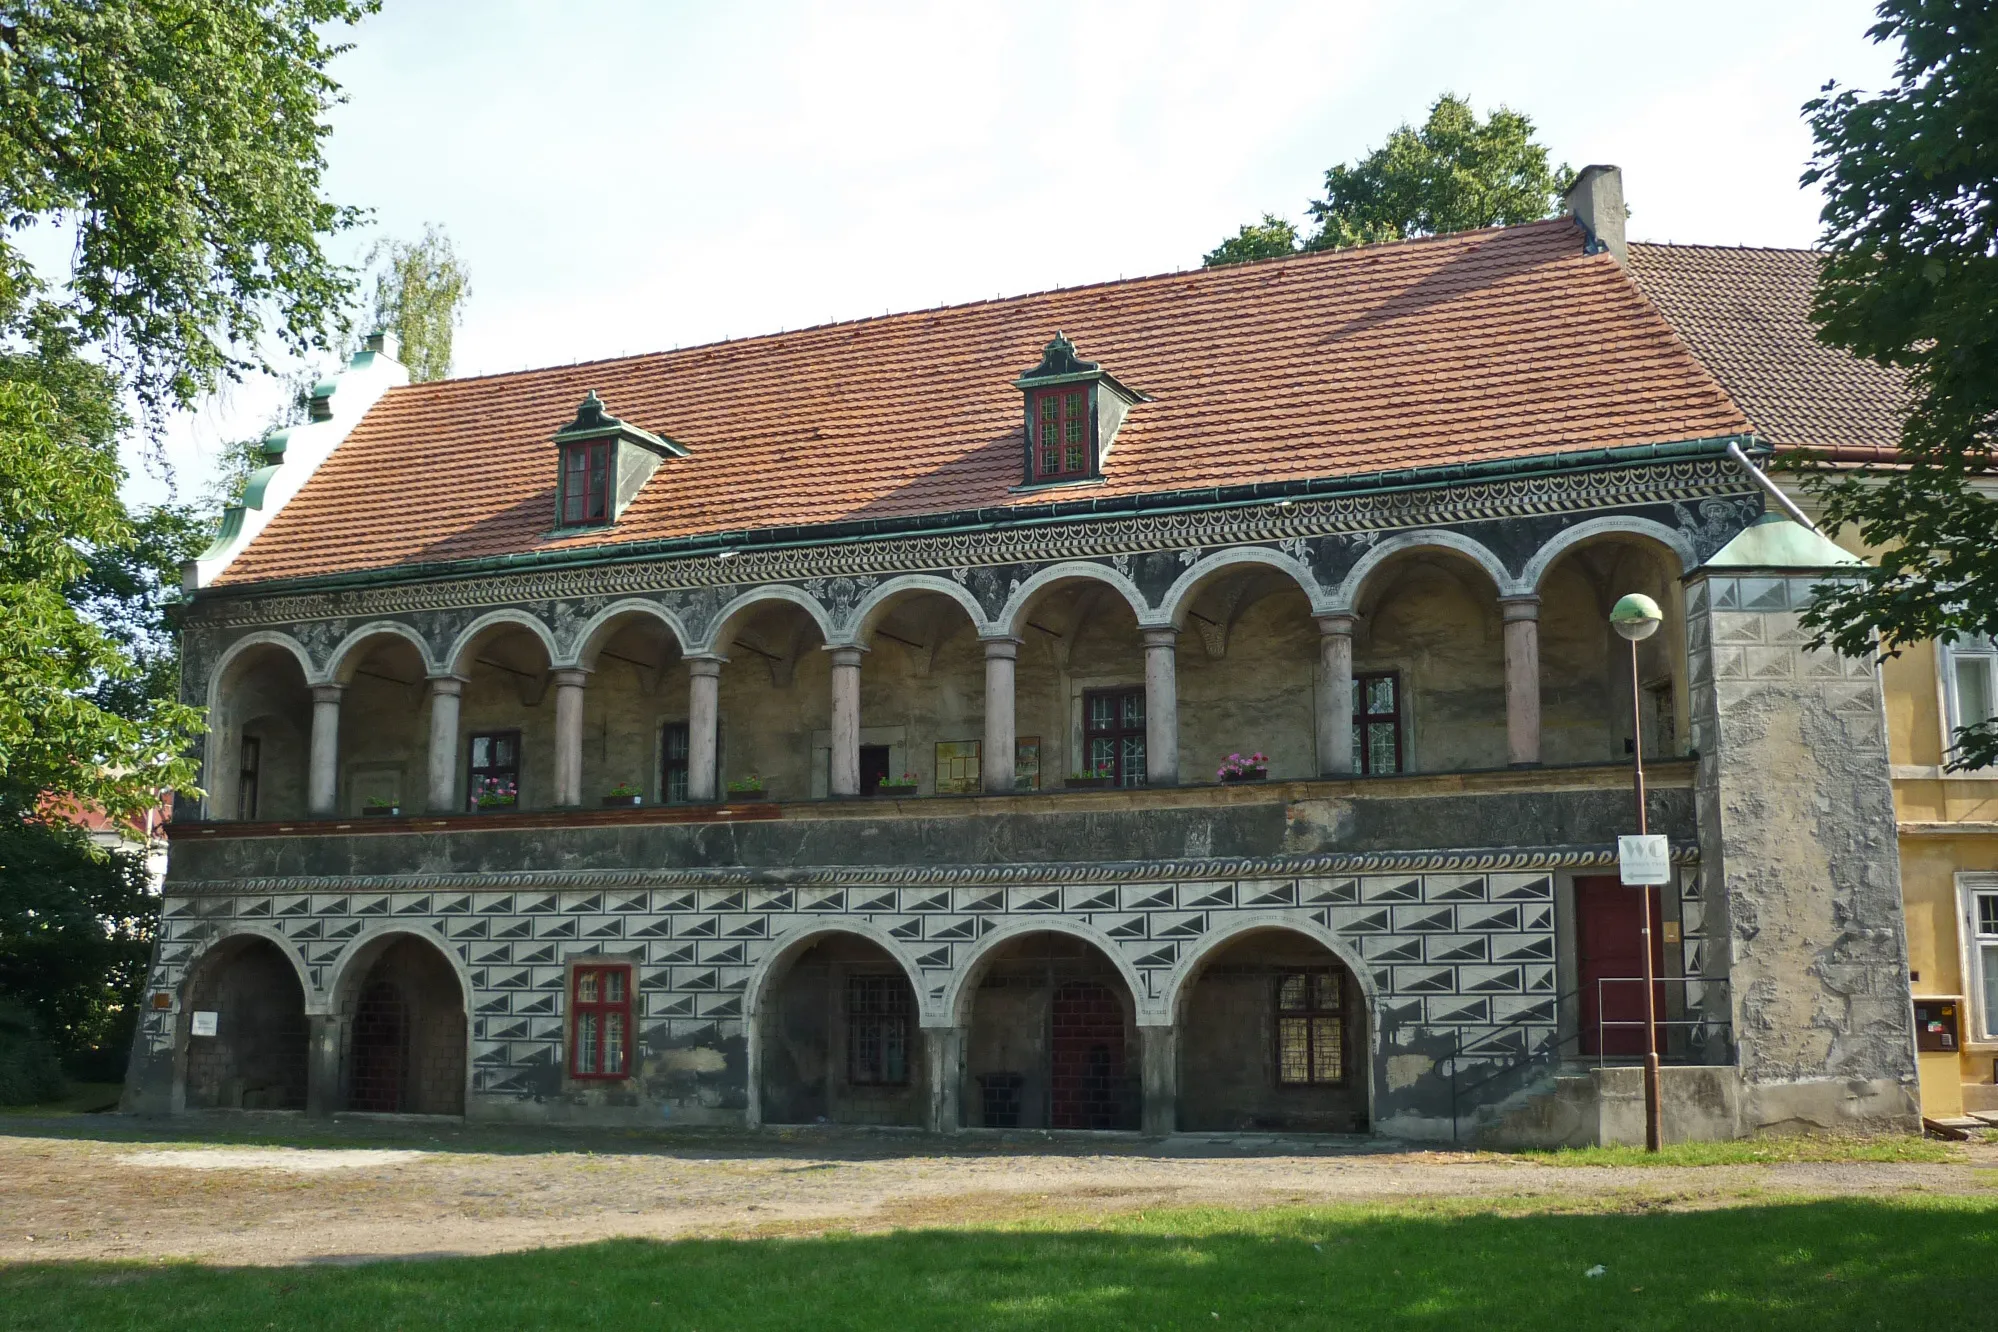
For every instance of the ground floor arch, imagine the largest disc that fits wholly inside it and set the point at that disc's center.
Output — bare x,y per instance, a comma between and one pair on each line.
1052,1039
403,1030
1273,1037
244,1030
838,1037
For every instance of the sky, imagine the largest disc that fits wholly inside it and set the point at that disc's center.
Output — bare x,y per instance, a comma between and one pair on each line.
629,177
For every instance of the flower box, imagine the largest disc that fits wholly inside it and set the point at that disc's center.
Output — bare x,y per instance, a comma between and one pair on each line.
622,801
1247,775
494,806
1083,783
895,789
382,812
743,797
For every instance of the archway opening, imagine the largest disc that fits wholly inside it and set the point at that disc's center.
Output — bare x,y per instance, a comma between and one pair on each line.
1079,686
1587,714
259,738
1429,684
839,1039
1052,1041
256,1056
1248,653
506,720
1273,1038
774,692
405,1033
384,725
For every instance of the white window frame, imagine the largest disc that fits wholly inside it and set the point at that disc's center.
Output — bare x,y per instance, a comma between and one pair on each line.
1983,1028
1973,649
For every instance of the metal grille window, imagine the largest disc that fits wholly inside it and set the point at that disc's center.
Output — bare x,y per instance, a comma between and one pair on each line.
673,747
1061,434
1310,1029
1377,723
877,1031
586,483
600,1022
1113,722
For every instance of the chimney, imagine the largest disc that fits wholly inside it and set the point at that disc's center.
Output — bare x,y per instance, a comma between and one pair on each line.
386,344
1596,201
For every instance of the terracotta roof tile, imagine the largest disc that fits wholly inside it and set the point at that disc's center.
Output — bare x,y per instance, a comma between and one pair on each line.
1488,344
1746,313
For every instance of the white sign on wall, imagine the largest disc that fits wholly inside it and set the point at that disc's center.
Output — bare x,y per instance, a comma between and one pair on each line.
1644,859
204,1024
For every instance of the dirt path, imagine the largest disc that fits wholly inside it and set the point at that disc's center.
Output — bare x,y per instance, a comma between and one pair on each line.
117,1194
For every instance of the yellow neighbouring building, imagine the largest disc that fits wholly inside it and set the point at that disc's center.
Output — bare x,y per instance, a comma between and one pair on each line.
1745,313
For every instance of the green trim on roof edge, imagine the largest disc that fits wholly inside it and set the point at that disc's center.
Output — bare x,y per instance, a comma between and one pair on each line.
959,521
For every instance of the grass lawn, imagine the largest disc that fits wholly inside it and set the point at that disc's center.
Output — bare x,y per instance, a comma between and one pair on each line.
1925,1262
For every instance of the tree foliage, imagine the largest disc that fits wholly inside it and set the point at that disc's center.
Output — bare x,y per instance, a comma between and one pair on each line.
1911,280
1455,173
179,141
420,291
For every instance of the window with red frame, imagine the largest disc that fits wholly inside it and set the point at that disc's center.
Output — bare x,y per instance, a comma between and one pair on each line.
586,483
1061,434
600,1022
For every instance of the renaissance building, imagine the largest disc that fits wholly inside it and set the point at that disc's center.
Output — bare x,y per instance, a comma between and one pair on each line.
1179,704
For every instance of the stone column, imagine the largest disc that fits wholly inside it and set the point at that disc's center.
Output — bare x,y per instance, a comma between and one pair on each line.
943,1055
322,800
322,1065
995,763
1335,698
844,780
445,693
569,736
1161,707
1159,1049
1522,680
703,715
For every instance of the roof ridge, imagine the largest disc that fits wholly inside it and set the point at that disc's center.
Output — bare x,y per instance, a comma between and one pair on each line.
1756,249
1344,253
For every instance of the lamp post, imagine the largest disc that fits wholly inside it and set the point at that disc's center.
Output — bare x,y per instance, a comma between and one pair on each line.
1637,617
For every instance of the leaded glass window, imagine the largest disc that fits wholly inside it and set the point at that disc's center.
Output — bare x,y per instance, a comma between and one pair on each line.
1310,1029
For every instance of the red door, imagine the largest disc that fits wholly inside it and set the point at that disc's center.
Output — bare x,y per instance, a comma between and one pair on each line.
1610,941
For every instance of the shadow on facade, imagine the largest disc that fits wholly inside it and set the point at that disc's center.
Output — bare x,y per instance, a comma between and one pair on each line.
256,1060
839,1042
403,1050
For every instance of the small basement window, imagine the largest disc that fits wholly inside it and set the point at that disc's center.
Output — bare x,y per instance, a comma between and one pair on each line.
586,483
600,1021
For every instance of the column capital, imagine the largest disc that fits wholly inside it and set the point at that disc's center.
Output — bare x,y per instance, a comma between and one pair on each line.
1338,624
704,665
327,693
1001,647
447,684
1526,606
1161,636
573,677
846,654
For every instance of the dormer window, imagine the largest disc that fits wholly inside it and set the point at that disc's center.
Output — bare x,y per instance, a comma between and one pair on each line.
1073,411
1062,435
586,483
602,464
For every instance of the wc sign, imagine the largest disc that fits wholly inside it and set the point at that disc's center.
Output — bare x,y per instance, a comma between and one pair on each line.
1643,859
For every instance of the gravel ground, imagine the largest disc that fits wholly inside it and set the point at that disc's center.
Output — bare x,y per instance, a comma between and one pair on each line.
232,1192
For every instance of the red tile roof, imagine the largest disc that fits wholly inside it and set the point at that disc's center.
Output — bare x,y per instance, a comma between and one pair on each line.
1482,345
1746,313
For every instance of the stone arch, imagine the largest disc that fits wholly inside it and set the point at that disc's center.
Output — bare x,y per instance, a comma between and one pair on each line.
1649,532
347,656
315,999
402,1049
1013,619
860,624
259,1056
1347,596
242,646
1250,922
233,698
455,660
721,628
1178,600
795,1072
955,1005
606,622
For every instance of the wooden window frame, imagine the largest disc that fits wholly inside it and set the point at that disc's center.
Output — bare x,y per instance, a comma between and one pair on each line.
671,763
1117,733
1075,459
890,1021
1312,1014
599,457
473,772
600,979
1363,763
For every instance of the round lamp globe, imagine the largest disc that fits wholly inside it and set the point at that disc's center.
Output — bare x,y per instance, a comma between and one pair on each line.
1636,617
